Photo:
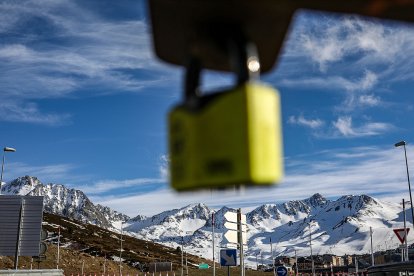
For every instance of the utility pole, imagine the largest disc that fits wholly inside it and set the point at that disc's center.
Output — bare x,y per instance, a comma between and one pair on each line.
296,262
182,256
58,249
405,232
186,264
261,257
240,240
372,250
214,254
356,265
104,266
310,244
273,259
120,252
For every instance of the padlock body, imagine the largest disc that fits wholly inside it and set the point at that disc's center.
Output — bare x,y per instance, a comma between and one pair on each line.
233,139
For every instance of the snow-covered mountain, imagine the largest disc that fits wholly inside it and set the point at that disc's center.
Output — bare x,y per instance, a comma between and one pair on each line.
65,202
338,227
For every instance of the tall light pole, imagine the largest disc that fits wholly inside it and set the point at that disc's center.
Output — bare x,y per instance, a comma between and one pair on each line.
310,244
399,144
5,149
405,233
372,249
214,253
273,258
182,255
120,251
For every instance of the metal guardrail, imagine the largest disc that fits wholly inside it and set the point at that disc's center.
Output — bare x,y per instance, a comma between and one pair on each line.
34,272
392,269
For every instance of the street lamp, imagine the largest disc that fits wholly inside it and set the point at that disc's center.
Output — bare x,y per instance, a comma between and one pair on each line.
310,245
5,149
399,144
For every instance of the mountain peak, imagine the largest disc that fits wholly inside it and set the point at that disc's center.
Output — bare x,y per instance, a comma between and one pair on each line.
317,200
60,200
21,186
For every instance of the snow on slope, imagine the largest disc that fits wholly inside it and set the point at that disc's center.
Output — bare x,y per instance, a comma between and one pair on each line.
338,227
66,202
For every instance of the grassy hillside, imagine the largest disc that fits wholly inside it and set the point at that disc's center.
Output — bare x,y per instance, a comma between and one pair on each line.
92,250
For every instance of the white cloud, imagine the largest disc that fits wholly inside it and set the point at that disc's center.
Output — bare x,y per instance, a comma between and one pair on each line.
300,120
331,82
329,40
344,127
51,173
29,113
104,186
47,53
164,167
369,100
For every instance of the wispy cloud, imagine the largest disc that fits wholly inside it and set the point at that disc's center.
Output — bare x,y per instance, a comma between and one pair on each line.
50,173
369,100
327,40
29,112
164,167
104,186
344,127
359,59
47,53
301,120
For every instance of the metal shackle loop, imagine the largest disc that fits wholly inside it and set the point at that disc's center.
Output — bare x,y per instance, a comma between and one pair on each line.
244,62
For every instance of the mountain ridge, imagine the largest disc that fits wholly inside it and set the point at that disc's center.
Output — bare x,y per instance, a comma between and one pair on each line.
339,226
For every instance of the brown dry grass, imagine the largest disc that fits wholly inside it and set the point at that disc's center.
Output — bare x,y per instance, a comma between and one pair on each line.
91,247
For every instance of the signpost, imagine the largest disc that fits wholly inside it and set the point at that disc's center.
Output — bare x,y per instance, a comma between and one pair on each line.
203,266
228,257
401,233
281,271
236,233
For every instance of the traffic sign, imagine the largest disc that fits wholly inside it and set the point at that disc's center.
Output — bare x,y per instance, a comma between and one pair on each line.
232,217
400,233
231,236
228,257
233,226
281,271
235,246
203,266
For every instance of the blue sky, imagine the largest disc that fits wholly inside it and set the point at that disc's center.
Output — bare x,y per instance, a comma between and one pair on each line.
84,101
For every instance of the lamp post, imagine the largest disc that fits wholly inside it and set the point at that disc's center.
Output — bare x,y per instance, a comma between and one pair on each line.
405,233
273,258
182,256
310,245
399,144
5,149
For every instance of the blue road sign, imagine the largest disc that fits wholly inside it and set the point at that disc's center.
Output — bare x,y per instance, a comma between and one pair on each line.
228,257
281,271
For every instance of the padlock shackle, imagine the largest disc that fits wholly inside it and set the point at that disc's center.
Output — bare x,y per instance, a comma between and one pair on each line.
244,61
243,54
192,81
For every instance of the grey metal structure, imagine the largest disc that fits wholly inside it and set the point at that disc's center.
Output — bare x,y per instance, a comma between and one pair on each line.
34,272
392,269
20,225
160,267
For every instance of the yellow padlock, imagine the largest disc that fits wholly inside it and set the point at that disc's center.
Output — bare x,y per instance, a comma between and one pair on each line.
231,138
